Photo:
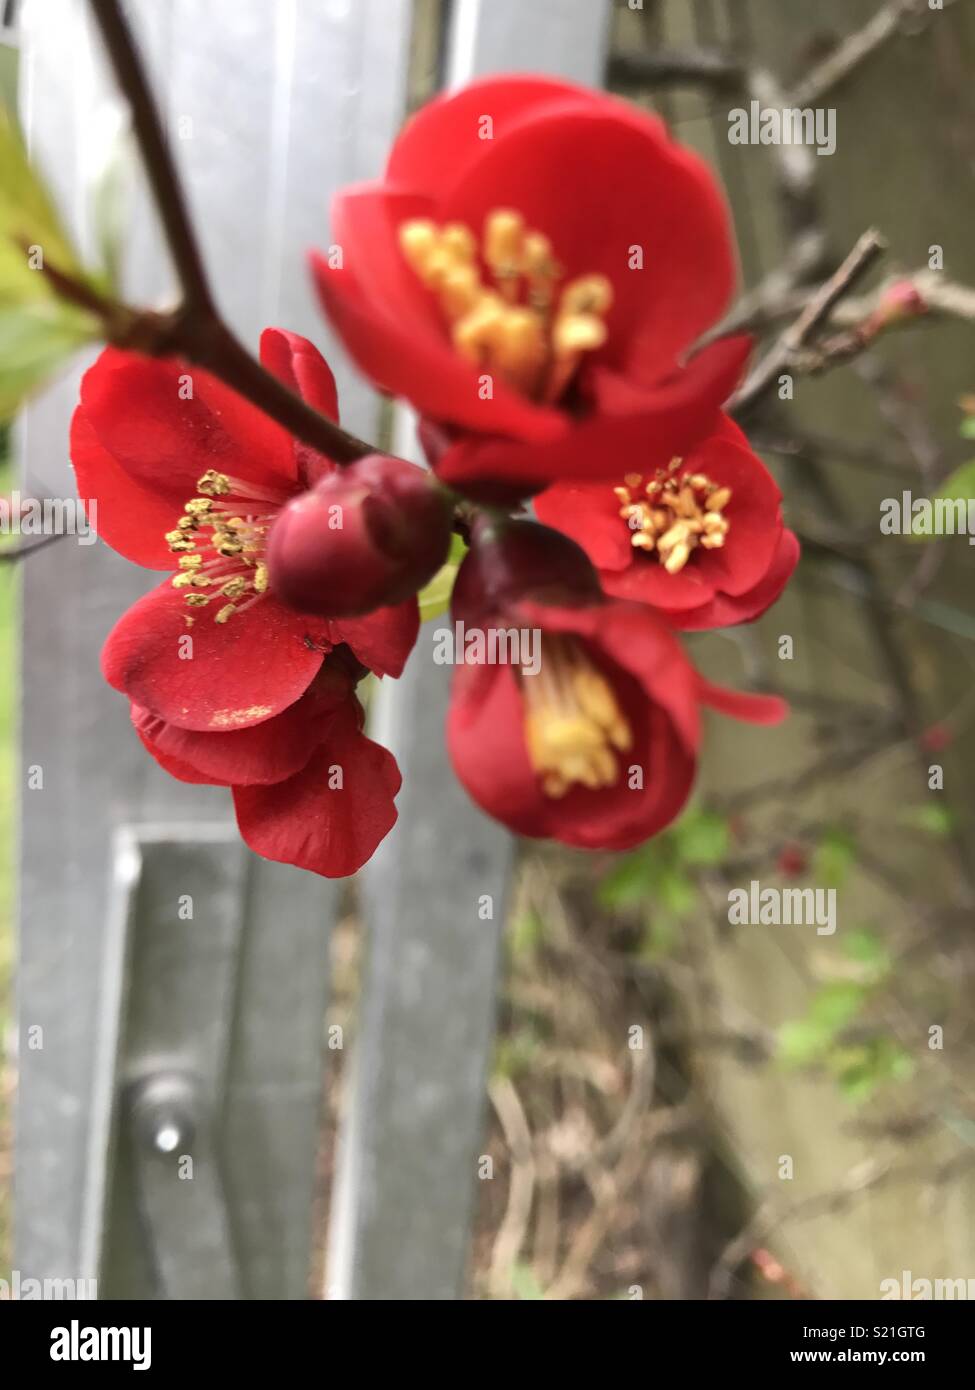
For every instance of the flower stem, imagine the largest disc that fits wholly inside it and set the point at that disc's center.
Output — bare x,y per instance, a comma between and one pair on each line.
196,330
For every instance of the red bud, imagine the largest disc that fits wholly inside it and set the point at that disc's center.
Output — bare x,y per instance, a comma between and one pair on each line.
364,537
515,559
899,301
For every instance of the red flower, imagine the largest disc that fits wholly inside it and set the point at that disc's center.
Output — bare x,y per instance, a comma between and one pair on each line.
227,685
702,540
531,272
598,748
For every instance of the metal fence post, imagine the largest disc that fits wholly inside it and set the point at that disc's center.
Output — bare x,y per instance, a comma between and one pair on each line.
405,1192
247,88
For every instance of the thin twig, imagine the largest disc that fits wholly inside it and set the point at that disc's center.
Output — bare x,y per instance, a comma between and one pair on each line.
854,49
675,67
11,553
780,356
196,330
511,1234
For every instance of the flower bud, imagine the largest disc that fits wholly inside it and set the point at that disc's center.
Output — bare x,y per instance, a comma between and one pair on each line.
899,301
518,559
366,536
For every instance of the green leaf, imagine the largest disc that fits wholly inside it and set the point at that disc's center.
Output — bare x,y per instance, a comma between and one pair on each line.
958,486
28,216
701,838
660,936
961,483
435,597
863,1069
527,931
837,1004
933,817
675,891
38,331
967,428
801,1041
629,882
866,949
35,339
833,858
833,1007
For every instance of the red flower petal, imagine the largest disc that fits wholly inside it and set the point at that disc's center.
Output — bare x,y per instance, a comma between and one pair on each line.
655,685
240,673
646,581
264,753
753,709
298,363
639,642
575,159
726,611
674,417
447,132
302,368
590,514
753,516
329,830
392,326
381,640
736,582
132,519
176,767
165,443
486,741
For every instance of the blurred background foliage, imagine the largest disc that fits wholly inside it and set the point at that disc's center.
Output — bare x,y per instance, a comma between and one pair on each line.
795,1125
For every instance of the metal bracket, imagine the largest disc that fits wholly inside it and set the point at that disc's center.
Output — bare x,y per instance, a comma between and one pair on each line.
156,1212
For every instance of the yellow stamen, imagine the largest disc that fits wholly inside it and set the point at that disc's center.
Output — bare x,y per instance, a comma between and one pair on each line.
458,241
418,239
213,484
504,232
575,333
513,324
223,552
682,512
573,722
589,294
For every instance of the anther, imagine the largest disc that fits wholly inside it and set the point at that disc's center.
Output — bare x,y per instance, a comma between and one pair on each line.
213,484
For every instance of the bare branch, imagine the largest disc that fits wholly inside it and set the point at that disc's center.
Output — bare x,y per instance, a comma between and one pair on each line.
781,355
196,330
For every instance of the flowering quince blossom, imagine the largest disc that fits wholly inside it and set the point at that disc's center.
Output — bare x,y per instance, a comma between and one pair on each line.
701,540
598,748
531,273
227,685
